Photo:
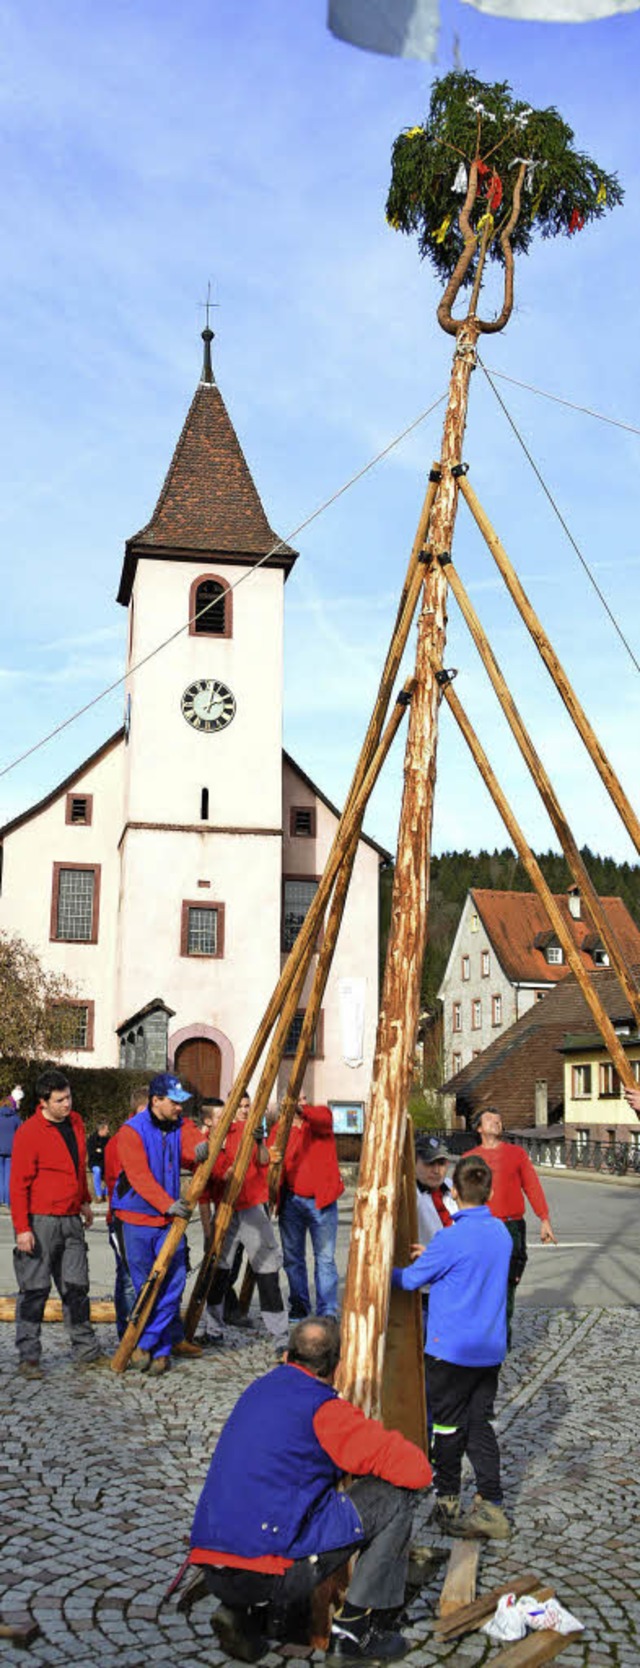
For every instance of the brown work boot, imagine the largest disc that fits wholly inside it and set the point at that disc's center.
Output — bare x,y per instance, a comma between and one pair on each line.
485,1521
30,1369
93,1363
446,1515
140,1360
187,1350
160,1364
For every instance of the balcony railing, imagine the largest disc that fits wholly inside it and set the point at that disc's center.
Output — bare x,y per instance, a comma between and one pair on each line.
619,1158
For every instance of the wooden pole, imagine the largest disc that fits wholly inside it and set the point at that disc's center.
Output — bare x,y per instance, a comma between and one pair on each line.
269,1072
548,795
404,1402
536,629
610,1039
366,1299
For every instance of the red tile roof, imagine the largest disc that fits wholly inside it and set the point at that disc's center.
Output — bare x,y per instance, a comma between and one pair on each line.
208,504
513,921
505,1073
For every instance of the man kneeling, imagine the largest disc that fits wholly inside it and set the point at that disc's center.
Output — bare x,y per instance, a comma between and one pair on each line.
272,1523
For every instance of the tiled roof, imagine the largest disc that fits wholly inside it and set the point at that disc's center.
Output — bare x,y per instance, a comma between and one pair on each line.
506,1072
208,504
514,921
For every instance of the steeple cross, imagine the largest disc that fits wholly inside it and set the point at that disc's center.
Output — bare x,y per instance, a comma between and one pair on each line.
208,304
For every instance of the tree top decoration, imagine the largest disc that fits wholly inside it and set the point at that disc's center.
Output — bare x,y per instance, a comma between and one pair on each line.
486,173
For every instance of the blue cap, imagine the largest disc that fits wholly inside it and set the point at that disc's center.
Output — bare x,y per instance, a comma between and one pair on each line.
164,1084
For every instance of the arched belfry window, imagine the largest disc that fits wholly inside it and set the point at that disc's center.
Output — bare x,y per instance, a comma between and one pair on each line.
210,607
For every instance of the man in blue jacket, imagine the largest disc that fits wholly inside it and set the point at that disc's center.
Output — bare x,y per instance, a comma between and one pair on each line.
466,1269
272,1522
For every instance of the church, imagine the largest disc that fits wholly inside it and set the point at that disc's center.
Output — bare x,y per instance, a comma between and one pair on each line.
168,876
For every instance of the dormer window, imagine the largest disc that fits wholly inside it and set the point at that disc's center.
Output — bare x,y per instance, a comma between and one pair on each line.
210,607
600,957
554,955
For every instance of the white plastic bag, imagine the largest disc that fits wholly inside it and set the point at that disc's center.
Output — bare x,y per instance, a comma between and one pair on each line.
507,1622
514,1617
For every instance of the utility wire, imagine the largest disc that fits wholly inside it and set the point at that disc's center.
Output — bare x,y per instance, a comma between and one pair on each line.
615,422
278,545
561,519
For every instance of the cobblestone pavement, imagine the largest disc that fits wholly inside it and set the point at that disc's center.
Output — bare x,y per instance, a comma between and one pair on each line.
100,1475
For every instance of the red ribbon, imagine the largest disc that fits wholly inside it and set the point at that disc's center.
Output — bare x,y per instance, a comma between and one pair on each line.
493,187
576,222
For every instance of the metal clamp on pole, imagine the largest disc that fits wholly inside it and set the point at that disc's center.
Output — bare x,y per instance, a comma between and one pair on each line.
445,558
446,676
435,474
403,697
458,469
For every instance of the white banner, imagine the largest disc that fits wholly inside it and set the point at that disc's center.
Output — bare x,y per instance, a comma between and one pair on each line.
351,996
409,28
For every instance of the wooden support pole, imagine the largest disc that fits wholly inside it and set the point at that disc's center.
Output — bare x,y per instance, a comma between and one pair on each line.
610,1039
536,629
548,795
271,1066
366,1298
404,1402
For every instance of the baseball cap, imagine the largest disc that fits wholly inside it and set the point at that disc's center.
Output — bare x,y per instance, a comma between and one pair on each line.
164,1084
430,1149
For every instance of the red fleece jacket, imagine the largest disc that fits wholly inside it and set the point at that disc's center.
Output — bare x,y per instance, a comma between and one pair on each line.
44,1181
311,1159
513,1177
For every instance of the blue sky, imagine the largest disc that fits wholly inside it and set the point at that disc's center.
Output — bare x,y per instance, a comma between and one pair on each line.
147,148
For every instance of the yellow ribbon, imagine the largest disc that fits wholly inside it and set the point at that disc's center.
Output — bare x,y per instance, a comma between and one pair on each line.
486,220
392,220
602,193
412,132
440,235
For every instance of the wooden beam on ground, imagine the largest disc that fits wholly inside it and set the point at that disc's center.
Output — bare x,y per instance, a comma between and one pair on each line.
474,1614
565,690
102,1310
609,1036
20,1633
534,1650
460,1580
404,1406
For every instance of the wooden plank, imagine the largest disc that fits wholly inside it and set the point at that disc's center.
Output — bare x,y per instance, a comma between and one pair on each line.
460,1580
102,1309
21,1633
404,1405
474,1614
535,1649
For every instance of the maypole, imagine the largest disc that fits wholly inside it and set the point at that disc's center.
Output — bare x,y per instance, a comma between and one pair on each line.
482,175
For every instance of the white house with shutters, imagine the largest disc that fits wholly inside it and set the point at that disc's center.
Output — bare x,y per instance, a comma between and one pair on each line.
169,874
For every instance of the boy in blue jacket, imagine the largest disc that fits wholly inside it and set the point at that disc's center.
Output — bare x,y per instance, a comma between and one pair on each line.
466,1269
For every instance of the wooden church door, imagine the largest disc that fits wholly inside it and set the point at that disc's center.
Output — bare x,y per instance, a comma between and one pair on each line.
198,1063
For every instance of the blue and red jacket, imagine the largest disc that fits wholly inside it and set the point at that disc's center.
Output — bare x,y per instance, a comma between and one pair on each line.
294,1439
151,1156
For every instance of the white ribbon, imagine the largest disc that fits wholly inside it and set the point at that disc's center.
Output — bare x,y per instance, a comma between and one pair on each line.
461,181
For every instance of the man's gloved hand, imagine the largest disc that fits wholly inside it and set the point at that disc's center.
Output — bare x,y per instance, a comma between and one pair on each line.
202,1152
261,1132
179,1208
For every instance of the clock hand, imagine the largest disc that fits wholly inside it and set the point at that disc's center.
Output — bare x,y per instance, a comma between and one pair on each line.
216,700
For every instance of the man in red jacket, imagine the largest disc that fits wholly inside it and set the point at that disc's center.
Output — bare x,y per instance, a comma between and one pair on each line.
252,1228
50,1207
263,1547
513,1178
311,1187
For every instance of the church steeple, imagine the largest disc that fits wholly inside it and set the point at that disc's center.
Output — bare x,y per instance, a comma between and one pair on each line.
209,504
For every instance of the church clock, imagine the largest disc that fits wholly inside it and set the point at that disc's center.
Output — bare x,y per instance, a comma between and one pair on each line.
208,705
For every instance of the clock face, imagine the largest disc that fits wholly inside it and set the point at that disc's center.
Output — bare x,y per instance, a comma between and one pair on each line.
208,705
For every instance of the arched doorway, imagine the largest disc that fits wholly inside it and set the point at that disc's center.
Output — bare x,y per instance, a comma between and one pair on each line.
198,1062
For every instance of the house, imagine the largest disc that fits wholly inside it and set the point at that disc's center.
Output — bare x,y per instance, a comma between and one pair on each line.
506,957
549,1065
169,874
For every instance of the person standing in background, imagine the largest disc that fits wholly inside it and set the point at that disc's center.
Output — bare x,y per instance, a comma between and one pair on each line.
9,1123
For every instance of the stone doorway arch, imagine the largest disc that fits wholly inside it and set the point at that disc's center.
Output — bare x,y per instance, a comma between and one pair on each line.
204,1056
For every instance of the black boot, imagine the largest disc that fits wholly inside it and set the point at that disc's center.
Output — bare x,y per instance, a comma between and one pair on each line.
240,1632
357,1639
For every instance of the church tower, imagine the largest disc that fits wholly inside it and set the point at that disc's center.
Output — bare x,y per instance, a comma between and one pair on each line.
201,848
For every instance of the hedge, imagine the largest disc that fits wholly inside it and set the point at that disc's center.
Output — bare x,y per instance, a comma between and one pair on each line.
101,1094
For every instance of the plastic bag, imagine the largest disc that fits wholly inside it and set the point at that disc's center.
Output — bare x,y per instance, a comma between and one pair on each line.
514,1618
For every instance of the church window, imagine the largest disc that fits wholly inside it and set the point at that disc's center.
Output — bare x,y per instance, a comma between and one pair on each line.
302,822
293,1036
297,896
202,930
210,605
79,809
204,805
75,903
74,1022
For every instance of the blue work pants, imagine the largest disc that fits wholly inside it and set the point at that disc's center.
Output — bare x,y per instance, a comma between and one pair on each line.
164,1327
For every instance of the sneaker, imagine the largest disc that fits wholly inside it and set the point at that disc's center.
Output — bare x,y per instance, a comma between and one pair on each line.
187,1350
140,1360
30,1369
159,1364
240,1633
446,1515
372,1645
485,1521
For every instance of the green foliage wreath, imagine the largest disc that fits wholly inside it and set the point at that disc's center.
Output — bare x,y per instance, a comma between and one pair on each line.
475,121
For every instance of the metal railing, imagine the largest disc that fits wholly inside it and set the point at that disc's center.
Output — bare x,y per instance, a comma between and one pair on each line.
615,1158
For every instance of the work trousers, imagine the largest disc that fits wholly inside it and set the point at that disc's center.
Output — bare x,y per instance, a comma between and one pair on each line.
60,1255
517,1228
298,1217
124,1295
5,1176
253,1229
141,1246
379,1578
462,1401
